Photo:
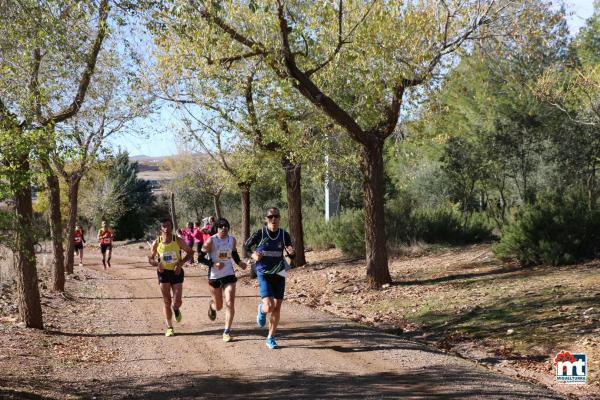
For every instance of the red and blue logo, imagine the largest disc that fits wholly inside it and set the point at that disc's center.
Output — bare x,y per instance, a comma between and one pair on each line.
570,368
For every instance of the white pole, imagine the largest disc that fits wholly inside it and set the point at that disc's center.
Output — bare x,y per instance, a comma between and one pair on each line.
326,188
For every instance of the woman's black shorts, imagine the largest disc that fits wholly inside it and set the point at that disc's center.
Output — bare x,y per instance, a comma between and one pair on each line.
168,276
220,282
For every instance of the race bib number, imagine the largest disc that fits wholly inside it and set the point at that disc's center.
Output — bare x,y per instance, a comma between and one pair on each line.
77,239
107,241
223,255
169,257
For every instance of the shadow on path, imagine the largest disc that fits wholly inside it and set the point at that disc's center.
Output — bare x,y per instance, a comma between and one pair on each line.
432,383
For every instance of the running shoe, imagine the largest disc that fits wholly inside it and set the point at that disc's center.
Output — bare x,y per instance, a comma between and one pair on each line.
271,343
170,332
261,318
177,314
227,337
212,314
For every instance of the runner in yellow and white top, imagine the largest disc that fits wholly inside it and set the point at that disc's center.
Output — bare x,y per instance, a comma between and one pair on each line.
169,269
221,275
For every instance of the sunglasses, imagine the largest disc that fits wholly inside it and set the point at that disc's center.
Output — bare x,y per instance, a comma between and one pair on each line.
273,216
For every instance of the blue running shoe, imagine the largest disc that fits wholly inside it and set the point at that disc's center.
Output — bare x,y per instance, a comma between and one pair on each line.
271,343
261,318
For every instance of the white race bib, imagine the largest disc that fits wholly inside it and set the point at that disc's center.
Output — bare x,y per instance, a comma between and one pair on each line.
169,257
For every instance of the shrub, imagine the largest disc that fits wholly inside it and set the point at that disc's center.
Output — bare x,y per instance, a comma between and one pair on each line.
399,227
317,233
557,229
319,236
447,226
349,232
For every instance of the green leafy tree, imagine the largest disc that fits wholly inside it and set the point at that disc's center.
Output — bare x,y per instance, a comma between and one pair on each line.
573,87
49,53
353,60
135,196
465,165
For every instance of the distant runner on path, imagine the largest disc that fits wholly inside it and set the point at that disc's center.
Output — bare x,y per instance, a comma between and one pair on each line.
78,241
188,236
198,240
271,270
170,270
105,237
206,228
221,275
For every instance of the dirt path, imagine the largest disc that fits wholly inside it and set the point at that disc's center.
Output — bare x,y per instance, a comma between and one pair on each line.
320,356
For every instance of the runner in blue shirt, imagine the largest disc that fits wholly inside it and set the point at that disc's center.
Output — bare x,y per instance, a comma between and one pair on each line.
270,242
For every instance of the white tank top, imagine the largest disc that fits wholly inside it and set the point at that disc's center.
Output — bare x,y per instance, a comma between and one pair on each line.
221,252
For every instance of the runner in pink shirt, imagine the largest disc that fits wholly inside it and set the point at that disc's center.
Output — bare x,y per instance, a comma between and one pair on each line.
188,237
198,238
207,228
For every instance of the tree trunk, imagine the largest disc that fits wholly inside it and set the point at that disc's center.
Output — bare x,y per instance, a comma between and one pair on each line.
217,204
58,265
293,175
173,214
245,198
591,185
73,183
371,166
28,294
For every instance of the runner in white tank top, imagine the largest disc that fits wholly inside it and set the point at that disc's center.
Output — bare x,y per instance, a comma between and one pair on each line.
221,275
221,253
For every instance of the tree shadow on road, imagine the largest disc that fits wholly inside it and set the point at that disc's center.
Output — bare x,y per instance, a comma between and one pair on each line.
432,383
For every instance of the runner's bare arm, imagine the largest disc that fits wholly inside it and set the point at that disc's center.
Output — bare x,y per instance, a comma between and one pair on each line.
236,256
207,246
152,257
189,253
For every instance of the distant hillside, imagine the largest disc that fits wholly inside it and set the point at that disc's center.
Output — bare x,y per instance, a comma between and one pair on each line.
150,159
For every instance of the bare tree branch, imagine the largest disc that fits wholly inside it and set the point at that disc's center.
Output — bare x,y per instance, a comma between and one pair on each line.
34,86
230,60
84,82
341,39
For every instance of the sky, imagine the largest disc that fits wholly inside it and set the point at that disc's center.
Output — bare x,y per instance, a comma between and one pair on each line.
162,139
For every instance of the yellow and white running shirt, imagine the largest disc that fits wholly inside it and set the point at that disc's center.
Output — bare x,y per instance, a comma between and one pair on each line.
169,253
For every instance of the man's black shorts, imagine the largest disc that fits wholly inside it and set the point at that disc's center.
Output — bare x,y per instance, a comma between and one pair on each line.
104,247
168,276
220,282
78,246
